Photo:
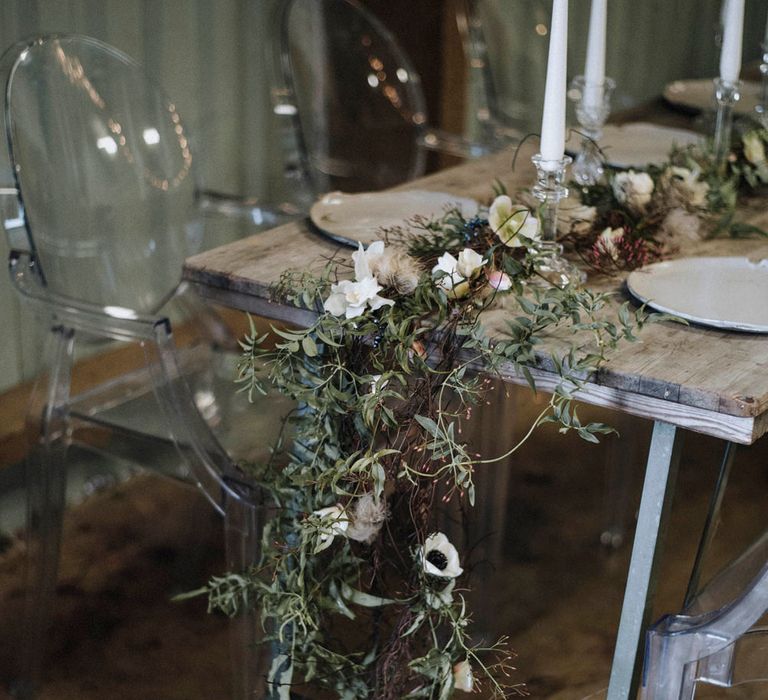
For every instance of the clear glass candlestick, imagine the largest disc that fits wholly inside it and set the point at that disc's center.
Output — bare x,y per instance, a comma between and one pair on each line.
549,190
593,105
762,107
726,96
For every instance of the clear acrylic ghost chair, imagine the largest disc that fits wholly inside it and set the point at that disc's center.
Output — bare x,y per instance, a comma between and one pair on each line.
716,640
103,217
350,97
495,129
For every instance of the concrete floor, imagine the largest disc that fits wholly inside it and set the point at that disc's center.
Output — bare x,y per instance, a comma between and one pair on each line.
539,572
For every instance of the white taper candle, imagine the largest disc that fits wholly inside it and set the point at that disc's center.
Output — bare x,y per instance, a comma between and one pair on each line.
733,29
594,69
553,119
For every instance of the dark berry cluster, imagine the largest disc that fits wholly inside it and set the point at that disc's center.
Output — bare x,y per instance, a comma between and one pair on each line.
473,228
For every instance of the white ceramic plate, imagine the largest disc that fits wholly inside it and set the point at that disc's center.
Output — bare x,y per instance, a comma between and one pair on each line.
728,293
349,218
698,95
639,144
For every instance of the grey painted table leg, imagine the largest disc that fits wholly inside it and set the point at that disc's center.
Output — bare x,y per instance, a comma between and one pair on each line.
658,488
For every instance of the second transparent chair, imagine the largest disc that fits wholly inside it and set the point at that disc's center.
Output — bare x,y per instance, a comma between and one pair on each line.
106,216
717,640
350,96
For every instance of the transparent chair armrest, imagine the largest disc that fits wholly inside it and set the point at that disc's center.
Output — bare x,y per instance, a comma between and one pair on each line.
109,321
453,144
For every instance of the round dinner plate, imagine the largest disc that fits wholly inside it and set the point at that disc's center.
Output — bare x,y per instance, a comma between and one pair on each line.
637,144
698,95
349,218
729,293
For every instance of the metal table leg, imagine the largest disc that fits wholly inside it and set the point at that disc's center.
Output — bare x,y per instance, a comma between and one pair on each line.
658,488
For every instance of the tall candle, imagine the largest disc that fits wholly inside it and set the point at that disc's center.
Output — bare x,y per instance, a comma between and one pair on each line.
733,28
594,70
553,119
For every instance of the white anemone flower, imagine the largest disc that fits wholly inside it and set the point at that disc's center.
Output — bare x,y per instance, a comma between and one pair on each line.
510,221
451,282
462,677
333,521
439,557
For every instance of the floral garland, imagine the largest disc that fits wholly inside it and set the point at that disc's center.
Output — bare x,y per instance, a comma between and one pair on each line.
637,217
360,590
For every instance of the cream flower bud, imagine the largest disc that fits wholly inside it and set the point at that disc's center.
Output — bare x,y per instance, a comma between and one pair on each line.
754,149
462,677
469,263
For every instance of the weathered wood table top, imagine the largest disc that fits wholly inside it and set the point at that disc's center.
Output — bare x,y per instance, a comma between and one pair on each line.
710,381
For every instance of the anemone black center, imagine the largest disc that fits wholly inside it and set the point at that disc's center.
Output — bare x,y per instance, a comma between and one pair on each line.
437,559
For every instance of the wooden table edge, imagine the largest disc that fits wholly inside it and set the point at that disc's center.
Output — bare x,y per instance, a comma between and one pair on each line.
742,429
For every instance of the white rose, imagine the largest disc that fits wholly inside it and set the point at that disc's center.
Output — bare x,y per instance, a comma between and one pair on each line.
439,557
633,189
332,521
510,221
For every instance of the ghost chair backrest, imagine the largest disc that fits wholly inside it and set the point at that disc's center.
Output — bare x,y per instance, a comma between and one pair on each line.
104,171
359,110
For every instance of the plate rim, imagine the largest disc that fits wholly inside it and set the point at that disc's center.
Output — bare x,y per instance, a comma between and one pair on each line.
700,320
346,241
623,164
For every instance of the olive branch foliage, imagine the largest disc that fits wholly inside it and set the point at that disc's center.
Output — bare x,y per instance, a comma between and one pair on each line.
380,399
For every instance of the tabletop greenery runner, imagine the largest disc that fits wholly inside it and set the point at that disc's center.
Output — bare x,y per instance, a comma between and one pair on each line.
360,589
638,216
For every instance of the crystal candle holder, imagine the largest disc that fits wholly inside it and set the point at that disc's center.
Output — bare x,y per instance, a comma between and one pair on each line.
549,190
593,105
762,107
726,96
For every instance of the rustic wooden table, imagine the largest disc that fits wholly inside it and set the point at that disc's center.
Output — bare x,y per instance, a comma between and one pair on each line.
705,380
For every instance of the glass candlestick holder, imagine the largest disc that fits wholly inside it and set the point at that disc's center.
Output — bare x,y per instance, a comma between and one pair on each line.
593,105
762,107
726,96
549,190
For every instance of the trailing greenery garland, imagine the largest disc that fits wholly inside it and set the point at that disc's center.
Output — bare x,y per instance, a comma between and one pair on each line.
359,591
